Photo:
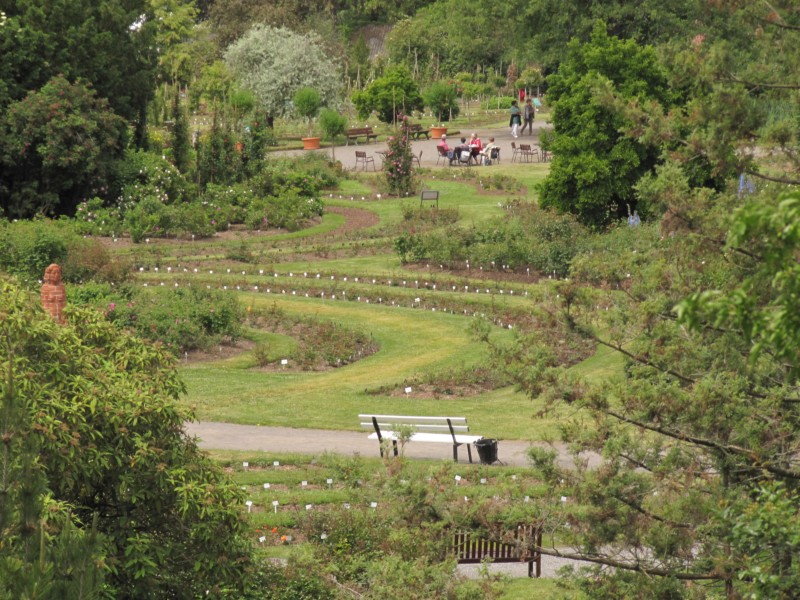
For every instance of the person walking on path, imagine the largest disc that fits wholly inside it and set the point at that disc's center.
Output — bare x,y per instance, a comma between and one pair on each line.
528,114
516,119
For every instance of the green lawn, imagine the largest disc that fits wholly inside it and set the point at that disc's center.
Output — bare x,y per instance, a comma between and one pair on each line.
413,342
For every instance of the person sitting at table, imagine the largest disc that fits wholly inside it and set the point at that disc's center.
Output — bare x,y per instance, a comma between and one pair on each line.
486,152
475,145
462,147
445,149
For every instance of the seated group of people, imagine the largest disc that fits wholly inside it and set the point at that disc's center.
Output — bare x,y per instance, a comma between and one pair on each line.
477,151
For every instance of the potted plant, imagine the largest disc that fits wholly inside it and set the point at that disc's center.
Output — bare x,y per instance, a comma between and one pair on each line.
332,124
307,102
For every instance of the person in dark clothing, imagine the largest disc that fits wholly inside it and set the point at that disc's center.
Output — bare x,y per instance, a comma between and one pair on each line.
528,114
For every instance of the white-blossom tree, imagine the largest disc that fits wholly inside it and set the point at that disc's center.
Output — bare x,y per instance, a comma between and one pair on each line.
275,62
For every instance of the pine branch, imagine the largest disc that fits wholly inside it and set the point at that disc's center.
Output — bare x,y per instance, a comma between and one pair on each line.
775,179
638,463
643,361
636,566
752,85
638,508
706,443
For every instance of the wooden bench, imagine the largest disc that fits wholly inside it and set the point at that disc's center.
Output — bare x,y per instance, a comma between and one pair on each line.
416,131
354,134
470,548
449,430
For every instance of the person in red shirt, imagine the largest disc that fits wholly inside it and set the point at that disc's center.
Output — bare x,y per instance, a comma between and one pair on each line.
475,146
444,148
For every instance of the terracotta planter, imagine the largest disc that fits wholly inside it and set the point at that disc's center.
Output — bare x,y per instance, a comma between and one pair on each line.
438,132
310,143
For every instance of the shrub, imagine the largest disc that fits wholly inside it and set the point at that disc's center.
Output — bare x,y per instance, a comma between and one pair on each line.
262,354
241,252
332,122
307,102
308,174
141,174
409,247
150,217
92,217
398,163
528,237
183,319
28,247
289,211
88,259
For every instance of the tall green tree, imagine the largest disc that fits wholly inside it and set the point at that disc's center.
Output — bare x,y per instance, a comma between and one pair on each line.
451,36
549,25
173,36
106,42
181,145
394,93
595,165
698,437
58,146
44,553
101,408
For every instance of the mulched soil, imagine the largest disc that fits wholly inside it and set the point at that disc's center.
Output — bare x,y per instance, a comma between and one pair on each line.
221,352
433,392
355,219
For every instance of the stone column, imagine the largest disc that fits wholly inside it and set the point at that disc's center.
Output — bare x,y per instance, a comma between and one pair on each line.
54,295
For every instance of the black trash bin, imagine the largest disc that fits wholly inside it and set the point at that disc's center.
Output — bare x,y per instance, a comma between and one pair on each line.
487,450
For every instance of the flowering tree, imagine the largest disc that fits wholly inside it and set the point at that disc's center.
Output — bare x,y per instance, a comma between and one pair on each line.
276,62
398,163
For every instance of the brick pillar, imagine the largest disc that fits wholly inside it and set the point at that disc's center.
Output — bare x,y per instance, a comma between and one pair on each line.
54,295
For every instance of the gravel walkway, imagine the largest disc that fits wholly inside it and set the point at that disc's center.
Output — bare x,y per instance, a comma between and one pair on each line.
229,436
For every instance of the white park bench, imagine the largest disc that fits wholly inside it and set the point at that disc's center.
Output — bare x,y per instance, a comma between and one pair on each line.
450,430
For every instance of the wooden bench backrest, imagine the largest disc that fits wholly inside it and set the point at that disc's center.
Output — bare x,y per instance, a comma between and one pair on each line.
359,131
470,548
